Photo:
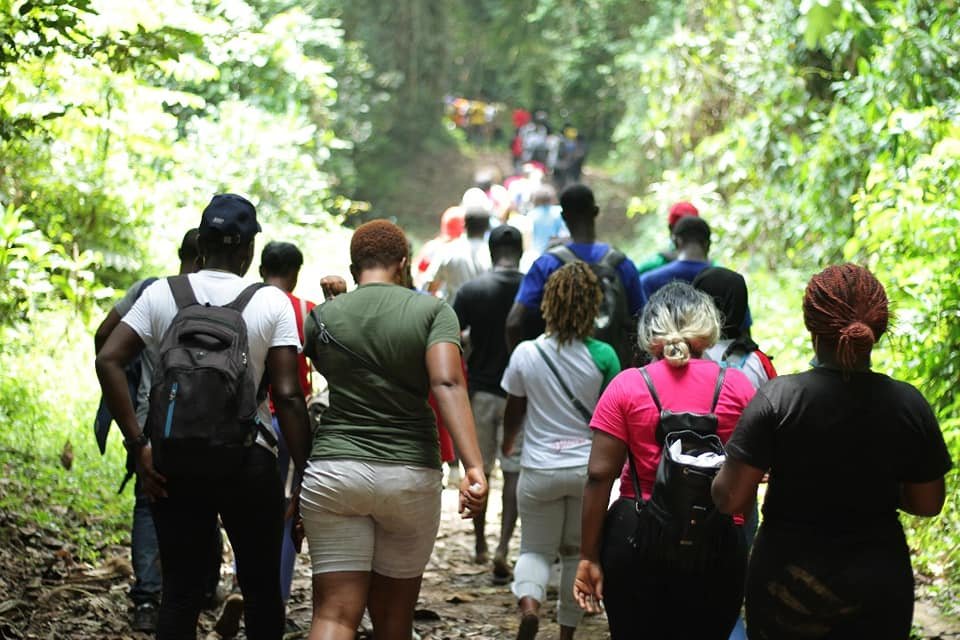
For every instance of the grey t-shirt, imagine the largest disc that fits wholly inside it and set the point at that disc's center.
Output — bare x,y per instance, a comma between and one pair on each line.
148,357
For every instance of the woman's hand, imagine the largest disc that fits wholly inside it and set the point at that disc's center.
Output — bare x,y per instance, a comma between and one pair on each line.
152,482
588,586
473,493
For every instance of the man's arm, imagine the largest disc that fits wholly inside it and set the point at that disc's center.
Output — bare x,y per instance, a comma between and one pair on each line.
121,347
105,329
513,329
288,402
513,414
462,309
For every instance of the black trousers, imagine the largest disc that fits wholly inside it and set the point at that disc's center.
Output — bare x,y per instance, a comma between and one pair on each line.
644,600
249,501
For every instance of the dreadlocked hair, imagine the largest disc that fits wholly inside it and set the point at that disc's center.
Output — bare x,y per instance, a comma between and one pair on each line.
678,323
846,309
571,302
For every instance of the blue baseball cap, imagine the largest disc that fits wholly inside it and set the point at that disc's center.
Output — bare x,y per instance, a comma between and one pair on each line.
231,217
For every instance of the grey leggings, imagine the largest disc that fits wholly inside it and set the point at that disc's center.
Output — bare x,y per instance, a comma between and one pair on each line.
549,501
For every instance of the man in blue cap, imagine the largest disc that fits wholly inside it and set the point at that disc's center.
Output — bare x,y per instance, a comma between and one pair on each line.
248,497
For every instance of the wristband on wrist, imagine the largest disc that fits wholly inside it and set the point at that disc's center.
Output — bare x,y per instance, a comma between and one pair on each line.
133,444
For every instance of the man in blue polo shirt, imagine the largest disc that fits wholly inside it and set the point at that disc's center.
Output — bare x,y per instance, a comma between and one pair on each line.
579,211
691,236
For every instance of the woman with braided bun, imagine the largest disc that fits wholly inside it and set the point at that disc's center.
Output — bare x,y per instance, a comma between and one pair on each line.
553,383
846,448
645,595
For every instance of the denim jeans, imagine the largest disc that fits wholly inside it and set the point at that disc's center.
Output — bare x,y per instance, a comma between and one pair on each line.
249,501
288,555
144,551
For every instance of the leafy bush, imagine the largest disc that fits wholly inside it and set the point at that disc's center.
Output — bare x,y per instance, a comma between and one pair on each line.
48,398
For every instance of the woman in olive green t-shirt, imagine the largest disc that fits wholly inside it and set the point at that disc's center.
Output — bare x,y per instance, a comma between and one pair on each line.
371,492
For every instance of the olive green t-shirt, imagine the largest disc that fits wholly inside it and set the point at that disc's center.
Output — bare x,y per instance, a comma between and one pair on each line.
379,413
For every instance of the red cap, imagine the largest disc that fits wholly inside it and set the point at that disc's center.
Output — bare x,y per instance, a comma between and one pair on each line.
680,210
452,222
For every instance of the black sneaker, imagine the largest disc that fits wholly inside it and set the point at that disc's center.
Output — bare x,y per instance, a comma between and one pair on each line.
145,617
228,624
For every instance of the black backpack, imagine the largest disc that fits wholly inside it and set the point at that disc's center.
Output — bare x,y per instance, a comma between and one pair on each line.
613,324
203,402
679,527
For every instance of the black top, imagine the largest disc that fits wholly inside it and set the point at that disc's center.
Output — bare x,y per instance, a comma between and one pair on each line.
838,449
482,306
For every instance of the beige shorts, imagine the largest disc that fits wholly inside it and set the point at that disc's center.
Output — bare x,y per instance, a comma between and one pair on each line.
370,516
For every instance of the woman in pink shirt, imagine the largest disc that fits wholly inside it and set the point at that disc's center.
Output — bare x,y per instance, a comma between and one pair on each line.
643,594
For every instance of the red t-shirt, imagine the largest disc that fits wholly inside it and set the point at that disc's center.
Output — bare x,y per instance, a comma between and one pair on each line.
300,309
627,412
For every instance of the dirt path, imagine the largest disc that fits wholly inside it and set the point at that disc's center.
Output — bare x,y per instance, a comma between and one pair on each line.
437,181
46,594
458,598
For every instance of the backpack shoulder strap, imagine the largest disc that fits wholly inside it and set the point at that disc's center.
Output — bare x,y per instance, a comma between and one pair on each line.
241,301
653,390
182,291
718,388
768,367
637,494
563,253
612,258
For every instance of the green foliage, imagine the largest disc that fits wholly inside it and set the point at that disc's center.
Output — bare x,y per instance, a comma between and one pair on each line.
41,414
117,123
908,225
555,55
120,120
813,133
39,274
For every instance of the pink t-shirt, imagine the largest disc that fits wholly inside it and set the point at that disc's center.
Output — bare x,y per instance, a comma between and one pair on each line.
627,412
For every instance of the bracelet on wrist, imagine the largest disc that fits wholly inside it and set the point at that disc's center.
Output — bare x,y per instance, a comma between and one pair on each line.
137,443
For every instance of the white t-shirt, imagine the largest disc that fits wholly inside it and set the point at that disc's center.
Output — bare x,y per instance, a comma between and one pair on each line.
751,367
555,435
269,317
457,262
